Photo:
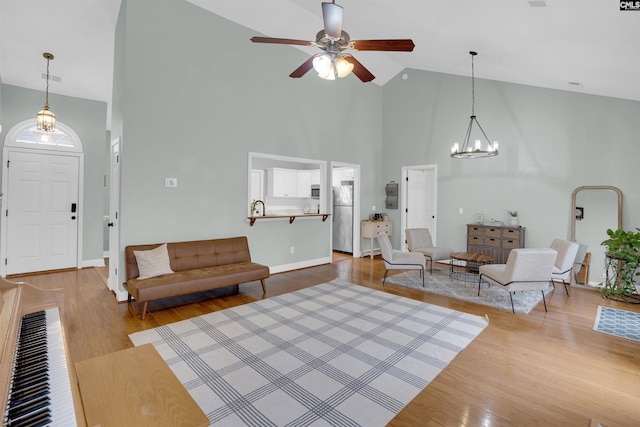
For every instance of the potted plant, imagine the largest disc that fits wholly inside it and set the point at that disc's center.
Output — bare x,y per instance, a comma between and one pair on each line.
514,217
623,262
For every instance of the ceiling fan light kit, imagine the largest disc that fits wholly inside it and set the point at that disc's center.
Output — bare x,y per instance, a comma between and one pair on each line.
332,40
475,151
45,119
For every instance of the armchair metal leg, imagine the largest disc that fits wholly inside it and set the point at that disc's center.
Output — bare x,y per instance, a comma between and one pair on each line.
385,276
422,273
479,283
513,310
565,287
544,301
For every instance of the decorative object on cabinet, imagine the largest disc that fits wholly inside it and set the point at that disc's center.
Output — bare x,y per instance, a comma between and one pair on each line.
478,218
513,217
496,241
525,270
371,229
475,152
391,190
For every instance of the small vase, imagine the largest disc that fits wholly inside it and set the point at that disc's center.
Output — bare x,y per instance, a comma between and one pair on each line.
514,221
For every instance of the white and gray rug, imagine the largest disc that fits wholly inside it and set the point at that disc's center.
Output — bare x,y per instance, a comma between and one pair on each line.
333,354
440,283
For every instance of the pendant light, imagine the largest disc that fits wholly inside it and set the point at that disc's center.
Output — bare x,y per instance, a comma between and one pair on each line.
475,151
45,119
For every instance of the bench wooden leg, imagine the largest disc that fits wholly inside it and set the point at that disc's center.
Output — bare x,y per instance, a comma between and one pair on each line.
144,310
264,288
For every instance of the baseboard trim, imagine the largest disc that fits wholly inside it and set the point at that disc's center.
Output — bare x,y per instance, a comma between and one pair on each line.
93,263
298,265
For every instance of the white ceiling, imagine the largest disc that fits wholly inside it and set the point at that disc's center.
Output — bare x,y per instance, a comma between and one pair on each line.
588,42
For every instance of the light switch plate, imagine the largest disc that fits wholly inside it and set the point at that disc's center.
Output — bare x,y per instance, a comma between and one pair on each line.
171,182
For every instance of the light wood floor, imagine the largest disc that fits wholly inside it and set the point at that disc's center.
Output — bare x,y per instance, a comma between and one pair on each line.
540,369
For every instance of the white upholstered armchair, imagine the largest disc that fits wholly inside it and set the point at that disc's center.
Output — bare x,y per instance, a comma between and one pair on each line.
563,267
527,269
419,240
398,260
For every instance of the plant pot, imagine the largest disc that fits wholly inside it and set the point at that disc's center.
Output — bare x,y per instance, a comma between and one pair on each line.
514,221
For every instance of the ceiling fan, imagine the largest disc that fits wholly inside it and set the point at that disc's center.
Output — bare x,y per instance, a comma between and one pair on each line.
333,41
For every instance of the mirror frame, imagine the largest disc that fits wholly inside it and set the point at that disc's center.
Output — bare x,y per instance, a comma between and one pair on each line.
593,187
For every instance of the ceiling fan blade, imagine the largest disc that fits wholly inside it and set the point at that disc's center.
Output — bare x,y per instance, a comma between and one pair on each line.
302,70
359,70
398,45
332,16
257,39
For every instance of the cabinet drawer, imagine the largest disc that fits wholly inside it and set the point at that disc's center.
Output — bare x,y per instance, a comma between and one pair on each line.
492,241
475,240
493,232
510,243
511,233
476,230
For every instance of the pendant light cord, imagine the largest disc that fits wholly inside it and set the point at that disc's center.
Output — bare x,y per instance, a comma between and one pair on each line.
46,96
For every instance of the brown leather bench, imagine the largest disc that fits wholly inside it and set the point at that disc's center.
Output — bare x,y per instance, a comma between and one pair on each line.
198,266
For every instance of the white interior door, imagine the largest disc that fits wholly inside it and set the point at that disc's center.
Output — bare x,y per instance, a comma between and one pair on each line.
420,199
42,212
114,220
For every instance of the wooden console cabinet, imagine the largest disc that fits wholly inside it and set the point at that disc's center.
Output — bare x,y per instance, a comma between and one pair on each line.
496,241
370,229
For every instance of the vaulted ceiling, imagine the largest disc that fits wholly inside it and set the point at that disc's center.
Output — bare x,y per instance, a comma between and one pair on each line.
587,46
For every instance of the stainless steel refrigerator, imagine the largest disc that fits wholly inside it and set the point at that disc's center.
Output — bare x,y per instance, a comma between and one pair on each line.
343,218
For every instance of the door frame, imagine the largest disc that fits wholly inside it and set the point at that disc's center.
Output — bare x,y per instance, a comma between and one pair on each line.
115,148
3,219
403,201
356,205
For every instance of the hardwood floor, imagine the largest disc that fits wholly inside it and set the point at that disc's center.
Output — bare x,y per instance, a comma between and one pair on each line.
546,369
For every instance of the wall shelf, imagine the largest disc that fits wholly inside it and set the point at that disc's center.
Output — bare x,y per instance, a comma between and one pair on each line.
292,217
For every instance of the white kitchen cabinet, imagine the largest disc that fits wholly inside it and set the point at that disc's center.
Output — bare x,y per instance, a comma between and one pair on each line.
304,184
315,177
289,183
282,182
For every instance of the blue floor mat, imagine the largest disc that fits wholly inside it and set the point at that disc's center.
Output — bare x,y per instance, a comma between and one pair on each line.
621,323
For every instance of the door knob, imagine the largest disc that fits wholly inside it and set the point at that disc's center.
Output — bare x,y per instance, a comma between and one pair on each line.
73,217
110,224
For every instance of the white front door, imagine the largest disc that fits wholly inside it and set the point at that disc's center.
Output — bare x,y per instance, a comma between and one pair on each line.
41,211
419,199
114,220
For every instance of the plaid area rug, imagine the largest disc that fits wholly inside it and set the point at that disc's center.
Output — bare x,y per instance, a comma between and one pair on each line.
621,323
440,283
332,354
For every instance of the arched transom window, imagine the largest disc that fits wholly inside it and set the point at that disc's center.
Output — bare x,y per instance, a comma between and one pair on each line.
26,134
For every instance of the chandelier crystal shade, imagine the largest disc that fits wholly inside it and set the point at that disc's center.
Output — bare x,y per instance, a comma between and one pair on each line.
474,150
45,119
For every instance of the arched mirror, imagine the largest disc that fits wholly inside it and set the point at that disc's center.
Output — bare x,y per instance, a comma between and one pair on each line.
595,209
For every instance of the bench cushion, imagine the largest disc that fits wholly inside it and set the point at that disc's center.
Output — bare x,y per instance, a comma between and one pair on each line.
195,280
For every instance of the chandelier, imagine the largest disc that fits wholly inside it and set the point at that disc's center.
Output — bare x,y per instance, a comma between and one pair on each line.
474,150
45,118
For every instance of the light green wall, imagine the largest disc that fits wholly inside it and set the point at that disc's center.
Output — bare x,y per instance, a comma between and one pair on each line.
88,119
550,143
196,97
